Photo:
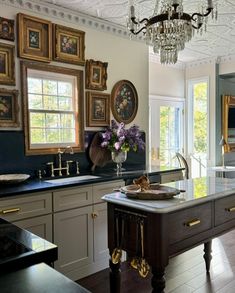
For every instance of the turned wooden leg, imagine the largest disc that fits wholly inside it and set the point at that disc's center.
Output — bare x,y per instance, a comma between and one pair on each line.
114,277
207,255
158,280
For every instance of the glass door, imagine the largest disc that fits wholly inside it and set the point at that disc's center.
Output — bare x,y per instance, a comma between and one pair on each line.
166,130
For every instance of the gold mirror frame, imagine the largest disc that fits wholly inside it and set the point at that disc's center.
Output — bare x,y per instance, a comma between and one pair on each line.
227,101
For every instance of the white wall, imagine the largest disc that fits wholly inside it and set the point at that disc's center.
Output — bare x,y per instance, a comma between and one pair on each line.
207,70
126,59
227,67
166,81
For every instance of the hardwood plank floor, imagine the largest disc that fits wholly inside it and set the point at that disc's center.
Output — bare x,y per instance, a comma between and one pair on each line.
185,273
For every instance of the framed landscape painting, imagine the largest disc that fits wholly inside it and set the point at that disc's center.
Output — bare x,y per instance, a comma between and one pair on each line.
9,109
34,38
69,45
96,75
7,64
124,101
98,109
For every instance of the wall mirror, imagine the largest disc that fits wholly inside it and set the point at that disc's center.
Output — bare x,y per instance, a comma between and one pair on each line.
228,122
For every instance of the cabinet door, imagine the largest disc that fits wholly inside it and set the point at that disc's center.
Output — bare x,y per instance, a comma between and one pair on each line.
40,226
100,232
73,234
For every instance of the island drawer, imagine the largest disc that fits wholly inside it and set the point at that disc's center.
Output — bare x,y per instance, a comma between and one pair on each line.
224,210
71,198
22,207
99,190
189,222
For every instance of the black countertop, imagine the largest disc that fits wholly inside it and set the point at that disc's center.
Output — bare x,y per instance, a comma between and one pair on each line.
37,279
20,248
36,185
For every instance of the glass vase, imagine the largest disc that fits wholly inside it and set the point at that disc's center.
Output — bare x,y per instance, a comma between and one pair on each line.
119,157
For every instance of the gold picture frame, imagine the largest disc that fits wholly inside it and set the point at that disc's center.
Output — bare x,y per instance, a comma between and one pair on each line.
124,101
9,108
7,30
7,64
34,38
97,109
69,45
96,75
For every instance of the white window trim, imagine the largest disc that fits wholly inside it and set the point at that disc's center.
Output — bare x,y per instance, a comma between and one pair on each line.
190,84
167,99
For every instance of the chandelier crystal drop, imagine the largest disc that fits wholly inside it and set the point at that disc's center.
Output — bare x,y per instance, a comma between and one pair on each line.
169,28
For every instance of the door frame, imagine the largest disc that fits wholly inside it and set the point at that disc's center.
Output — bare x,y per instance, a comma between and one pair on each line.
166,99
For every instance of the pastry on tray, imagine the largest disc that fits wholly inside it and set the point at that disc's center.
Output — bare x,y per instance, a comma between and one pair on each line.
142,182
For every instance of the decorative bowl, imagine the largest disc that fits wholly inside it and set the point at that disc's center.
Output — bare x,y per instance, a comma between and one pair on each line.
13,178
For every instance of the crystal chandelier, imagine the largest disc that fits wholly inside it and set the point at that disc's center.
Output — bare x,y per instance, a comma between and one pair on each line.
170,27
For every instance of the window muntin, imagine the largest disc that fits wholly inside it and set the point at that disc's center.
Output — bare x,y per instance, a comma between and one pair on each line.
53,108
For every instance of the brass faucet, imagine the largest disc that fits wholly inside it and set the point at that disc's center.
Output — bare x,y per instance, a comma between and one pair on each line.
60,168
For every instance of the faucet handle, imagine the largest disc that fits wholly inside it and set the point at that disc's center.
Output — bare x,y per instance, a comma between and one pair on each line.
77,168
67,166
52,168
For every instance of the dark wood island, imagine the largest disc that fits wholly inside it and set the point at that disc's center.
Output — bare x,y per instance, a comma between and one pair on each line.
152,231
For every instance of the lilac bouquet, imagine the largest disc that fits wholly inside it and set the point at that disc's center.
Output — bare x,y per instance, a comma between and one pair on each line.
117,138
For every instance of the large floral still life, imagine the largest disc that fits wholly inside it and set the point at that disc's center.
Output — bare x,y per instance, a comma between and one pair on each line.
120,140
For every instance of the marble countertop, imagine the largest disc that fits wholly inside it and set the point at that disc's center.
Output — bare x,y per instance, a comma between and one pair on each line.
196,191
36,185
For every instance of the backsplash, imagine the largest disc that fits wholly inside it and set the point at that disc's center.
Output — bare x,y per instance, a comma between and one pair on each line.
13,159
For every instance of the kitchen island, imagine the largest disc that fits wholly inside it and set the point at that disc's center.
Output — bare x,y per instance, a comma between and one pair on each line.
152,231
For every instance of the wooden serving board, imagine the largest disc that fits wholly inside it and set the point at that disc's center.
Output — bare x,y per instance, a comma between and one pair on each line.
156,191
99,156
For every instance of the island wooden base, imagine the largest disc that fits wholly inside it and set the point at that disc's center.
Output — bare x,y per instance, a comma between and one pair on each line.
165,235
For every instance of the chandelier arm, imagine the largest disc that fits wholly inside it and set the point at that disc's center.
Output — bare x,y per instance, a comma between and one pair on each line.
133,19
197,27
209,10
140,30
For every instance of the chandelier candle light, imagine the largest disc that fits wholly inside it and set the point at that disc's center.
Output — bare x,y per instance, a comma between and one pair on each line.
170,27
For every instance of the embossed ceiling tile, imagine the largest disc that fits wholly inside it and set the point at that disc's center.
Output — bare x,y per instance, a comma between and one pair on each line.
218,41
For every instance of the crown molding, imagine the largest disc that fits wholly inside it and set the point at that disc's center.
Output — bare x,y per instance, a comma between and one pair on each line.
50,10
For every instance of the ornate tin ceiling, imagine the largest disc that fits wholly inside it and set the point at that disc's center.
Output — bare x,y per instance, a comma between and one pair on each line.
219,40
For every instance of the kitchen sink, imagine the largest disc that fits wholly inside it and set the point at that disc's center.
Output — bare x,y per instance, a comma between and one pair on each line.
71,179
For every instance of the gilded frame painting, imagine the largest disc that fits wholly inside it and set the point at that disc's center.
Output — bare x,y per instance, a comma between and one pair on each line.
7,64
34,38
9,108
96,75
69,45
97,109
124,101
7,29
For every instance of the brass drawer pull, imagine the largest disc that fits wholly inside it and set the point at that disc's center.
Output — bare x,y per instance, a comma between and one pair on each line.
230,209
8,211
192,223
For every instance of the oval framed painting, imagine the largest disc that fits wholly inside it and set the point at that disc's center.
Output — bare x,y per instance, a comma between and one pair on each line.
124,101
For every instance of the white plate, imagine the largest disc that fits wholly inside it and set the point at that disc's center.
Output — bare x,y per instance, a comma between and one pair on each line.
13,178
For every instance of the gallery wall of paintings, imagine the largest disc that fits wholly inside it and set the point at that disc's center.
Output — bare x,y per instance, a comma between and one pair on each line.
41,40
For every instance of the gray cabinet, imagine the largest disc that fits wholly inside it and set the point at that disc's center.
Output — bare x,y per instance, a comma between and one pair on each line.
40,226
80,229
31,212
73,234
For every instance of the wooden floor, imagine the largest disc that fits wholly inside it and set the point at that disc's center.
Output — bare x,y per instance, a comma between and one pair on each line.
184,274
